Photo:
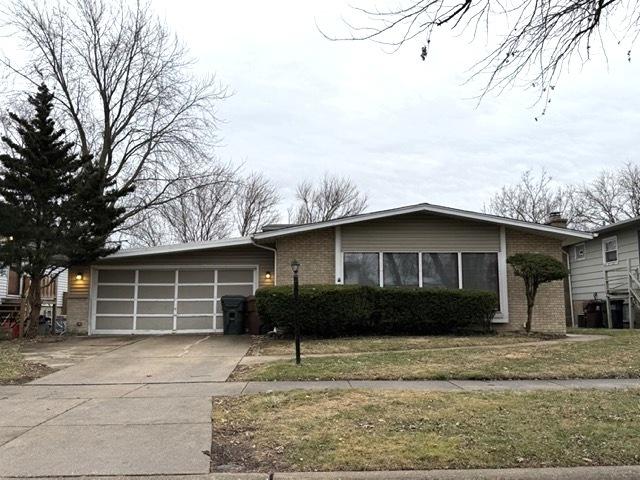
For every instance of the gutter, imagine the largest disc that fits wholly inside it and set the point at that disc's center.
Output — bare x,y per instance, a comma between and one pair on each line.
275,258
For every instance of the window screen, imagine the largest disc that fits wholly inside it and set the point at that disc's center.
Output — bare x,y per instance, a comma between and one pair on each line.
440,270
400,269
361,269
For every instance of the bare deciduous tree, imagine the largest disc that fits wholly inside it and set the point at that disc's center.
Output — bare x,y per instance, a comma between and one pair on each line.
199,210
533,199
256,204
123,84
602,200
528,40
334,197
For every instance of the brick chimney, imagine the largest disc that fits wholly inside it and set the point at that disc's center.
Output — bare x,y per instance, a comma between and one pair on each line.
556,219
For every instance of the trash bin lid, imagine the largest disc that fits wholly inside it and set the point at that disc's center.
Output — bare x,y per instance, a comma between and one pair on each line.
232,300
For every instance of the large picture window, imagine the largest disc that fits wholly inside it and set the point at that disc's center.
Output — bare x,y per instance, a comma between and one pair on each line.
440,270
361,269
400,270
480,272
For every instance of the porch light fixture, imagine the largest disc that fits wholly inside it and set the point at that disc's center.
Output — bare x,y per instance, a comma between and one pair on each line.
267,275
79,276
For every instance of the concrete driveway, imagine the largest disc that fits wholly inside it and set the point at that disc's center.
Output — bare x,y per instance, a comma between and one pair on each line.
141,406
160,359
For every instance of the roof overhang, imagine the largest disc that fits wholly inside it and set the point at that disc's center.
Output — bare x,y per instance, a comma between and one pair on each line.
621,224
180,247
565,234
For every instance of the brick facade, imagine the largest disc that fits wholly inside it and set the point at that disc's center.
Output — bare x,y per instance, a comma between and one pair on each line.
314,250
549,314
77,301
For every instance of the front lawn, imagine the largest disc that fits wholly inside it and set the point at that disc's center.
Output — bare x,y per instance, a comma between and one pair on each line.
266,346
617,356
13,368
364,430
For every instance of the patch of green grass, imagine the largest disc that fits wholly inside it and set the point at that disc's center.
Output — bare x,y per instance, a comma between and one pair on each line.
13,368
396,430
377,344
617,356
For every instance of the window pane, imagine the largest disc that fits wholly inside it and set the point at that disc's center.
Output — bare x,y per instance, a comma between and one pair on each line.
440,270
611,256
361,269
480,272
400,269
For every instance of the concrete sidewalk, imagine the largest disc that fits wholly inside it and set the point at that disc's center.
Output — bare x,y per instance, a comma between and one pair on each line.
212,389
572,473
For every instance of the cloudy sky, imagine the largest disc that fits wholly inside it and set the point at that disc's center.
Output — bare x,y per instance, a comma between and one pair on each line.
404,130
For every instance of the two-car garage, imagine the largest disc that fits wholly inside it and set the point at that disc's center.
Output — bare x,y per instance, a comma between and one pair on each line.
161,299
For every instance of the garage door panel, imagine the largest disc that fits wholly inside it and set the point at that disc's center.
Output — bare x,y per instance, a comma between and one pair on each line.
155,307
116,276
235,276
154,323
155,291
116,291
195,323
195,307
114,323
196,276
156,276
105,306
244,290
162,306
196,291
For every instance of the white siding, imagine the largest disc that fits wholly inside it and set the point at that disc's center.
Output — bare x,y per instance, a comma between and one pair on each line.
4,279
587,275
62,286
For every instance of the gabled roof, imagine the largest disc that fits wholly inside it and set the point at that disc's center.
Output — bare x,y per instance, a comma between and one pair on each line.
621,224
564,233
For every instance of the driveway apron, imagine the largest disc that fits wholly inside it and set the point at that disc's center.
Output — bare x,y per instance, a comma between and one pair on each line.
87,420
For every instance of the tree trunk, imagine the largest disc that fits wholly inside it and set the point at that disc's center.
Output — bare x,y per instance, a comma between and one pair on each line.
527,326
34,303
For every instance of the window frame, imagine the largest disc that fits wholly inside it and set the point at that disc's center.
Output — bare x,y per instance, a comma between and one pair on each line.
605,251
350,252
575,252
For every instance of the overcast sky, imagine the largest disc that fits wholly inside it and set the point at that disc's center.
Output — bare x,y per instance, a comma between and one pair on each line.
404,130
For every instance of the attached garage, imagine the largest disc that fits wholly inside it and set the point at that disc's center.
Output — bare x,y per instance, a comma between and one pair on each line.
162,300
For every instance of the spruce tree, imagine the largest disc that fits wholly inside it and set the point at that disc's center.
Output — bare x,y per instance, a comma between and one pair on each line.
56,208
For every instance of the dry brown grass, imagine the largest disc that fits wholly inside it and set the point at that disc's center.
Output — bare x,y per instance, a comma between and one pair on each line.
617,356
363,430
265,346
13,368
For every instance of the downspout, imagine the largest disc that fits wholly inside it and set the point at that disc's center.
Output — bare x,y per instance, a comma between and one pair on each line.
573,318
275,259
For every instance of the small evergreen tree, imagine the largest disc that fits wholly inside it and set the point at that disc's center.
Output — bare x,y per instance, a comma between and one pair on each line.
535,269
56,208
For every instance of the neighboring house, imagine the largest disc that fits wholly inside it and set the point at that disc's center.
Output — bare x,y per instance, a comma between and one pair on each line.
606,268
177,288
12,285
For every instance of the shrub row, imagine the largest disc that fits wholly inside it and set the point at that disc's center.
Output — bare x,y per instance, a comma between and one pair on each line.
333,311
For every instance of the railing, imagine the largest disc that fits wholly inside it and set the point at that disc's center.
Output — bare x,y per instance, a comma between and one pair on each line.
621,282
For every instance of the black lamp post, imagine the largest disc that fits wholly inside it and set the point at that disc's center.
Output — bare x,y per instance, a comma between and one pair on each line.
295,265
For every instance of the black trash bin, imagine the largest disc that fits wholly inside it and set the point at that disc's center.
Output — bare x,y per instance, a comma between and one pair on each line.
617,317
594,314
233,312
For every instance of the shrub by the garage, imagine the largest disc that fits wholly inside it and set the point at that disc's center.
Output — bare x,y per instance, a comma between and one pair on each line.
332,311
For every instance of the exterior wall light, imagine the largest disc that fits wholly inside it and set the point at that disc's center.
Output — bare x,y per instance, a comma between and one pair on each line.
79,276
267,275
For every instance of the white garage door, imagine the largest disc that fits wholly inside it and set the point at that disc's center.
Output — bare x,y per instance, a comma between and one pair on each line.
165,300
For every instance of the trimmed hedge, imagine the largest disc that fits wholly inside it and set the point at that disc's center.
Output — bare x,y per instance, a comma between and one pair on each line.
334,311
